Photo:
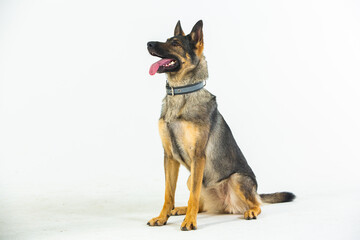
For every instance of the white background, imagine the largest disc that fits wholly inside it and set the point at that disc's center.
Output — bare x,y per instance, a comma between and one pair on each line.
80,156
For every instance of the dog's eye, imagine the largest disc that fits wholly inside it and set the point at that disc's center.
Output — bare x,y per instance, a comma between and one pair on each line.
174,43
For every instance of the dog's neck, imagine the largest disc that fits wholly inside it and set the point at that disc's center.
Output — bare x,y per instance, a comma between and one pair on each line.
198,74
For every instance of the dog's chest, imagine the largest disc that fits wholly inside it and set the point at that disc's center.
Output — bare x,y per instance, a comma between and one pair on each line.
173,108
183,141
184,125
178,138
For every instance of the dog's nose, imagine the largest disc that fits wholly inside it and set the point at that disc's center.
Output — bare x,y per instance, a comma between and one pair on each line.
151,44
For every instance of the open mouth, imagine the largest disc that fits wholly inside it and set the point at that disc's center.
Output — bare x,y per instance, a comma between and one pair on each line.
164,65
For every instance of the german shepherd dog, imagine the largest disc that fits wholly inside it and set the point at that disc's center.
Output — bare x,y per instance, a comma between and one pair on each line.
194,134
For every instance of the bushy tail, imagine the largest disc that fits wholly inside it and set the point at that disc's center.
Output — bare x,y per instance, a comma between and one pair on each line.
277,197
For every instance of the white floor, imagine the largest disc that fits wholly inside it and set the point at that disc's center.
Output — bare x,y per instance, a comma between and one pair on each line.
108,214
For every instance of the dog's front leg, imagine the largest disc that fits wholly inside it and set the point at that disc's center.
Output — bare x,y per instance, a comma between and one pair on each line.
171,175
197,173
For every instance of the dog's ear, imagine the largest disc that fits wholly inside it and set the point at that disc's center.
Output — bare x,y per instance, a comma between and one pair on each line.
196,36
178,30
197,33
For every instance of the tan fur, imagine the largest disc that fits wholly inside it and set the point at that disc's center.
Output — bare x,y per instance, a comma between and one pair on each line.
197,172
199,48
183,210
252,213
171,175
165,138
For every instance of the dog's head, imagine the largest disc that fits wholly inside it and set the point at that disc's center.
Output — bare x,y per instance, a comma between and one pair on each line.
180,54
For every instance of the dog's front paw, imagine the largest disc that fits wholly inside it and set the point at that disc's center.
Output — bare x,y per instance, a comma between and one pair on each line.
189,223
157,221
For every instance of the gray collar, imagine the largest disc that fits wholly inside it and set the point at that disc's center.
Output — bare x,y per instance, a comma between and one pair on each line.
184,89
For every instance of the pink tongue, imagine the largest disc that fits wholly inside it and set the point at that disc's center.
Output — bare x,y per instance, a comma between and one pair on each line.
155,66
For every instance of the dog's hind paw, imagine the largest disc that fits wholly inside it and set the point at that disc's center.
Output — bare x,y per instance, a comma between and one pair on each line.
157,221
252,213
178,211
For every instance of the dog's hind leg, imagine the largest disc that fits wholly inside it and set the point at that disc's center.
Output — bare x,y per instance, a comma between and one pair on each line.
252,213
245,189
